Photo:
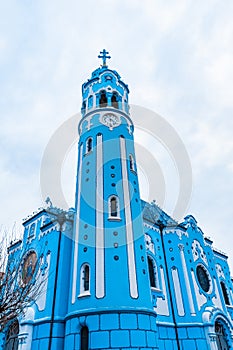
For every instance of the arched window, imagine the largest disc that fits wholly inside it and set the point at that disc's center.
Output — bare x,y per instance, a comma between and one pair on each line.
126,107
114,100
152,272
221,336
84,107
224,292
103,99
85,279
32,230
90,101
114,208
12,340
89,145
131,162
84,338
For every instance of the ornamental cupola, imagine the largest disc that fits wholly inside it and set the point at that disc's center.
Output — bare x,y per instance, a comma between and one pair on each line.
104,89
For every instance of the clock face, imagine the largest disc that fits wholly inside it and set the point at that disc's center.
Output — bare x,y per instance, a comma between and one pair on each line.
111,120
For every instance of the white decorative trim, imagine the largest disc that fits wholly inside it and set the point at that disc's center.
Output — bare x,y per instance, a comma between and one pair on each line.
149,243
186,279
162,305
84,294
198,252
75,265
200,298
99,112
178,294
179,233
219,271
43,280
217,299
100,285
89,123
26,329
114,218
151,227
128,220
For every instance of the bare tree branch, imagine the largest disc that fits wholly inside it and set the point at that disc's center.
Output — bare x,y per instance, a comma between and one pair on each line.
20,282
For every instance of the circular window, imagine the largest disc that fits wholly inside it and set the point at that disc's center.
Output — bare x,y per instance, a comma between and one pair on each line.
203,278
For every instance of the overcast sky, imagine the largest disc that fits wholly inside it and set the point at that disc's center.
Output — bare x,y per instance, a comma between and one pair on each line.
176,57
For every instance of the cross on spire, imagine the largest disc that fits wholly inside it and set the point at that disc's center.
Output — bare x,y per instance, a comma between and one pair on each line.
104,56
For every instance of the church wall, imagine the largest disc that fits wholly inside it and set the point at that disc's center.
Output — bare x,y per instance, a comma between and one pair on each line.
129,276
159,294
41,236
183,249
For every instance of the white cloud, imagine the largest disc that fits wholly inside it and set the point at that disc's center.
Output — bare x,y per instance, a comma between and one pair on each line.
215,143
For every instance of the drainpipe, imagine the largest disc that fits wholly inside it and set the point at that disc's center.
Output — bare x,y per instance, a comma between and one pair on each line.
161,227
61,218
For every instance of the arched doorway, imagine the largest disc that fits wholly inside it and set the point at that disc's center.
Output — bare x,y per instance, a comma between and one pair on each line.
12,340
84,338
221,337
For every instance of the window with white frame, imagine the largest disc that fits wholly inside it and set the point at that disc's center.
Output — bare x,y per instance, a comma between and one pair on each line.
131,162
114,207
152,272
225,293
85,279
89,145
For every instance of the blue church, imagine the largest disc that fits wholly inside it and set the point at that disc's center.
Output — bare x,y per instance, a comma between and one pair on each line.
118,272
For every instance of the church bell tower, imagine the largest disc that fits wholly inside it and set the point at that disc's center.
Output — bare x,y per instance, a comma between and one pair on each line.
110,302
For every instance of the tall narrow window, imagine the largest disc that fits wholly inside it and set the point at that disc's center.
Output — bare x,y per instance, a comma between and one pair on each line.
89,145
225,294
151,272
103,99
83,107
114,210
84,338
126,106
131,163
85,280
221,337
114,101
90,101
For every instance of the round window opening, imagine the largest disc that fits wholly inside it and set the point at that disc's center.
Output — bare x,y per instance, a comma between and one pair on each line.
203,278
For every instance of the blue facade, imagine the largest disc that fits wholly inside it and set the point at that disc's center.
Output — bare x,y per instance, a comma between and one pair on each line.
117,272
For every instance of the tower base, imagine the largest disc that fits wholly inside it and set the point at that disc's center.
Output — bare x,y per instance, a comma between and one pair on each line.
128,329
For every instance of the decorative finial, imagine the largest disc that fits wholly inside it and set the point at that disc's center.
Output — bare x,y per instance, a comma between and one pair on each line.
104,56
48,201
